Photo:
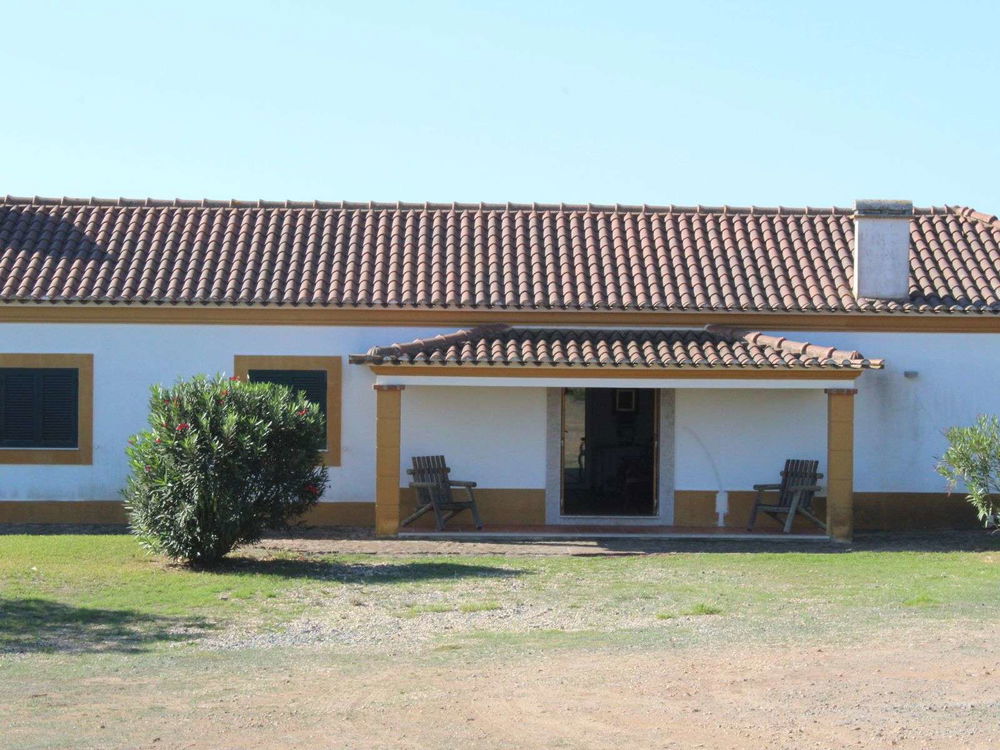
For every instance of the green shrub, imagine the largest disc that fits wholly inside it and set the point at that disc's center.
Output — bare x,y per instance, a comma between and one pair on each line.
222,460
973,459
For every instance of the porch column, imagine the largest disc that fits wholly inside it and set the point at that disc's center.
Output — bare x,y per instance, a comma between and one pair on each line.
388,399
840,463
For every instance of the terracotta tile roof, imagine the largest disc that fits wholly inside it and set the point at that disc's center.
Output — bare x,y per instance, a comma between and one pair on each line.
715,347
502,256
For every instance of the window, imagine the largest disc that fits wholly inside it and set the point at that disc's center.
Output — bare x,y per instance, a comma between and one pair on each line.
45,408
317,377
312,383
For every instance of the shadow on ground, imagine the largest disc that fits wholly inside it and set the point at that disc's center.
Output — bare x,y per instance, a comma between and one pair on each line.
409,572
330,540
924,541
40,625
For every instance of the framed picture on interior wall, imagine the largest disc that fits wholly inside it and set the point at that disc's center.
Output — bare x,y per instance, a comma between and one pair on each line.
625,400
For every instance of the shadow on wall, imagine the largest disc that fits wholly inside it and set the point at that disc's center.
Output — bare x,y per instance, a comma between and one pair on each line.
40,625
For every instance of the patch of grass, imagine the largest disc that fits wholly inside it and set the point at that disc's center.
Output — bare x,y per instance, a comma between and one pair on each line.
703,609
479,606
665,616
921,600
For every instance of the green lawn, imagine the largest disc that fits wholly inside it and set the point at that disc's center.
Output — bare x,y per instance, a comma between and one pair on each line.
103,645
79,592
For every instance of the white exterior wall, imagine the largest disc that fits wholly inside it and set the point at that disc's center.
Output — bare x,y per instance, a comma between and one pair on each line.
899,422
726,439
492,436
733,439
130,358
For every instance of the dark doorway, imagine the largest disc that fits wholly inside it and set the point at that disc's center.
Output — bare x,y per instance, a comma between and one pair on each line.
609,452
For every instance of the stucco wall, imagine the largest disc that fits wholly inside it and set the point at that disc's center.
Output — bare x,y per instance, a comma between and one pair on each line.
129,358
733,439
725,439
900,421
492,436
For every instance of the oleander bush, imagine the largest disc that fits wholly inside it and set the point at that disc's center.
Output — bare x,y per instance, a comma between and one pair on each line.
222,460
973,460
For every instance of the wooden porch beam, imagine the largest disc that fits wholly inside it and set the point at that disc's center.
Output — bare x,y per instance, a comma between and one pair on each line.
388,402
840,463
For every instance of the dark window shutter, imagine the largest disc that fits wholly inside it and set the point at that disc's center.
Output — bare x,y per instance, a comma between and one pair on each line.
311,382
38,407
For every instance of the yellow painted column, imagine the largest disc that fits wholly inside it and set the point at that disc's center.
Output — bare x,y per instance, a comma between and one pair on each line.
840,463
388,399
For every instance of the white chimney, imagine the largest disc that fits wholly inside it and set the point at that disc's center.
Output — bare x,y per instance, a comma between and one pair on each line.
882,249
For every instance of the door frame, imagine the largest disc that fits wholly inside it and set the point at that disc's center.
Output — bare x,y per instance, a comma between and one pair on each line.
663,468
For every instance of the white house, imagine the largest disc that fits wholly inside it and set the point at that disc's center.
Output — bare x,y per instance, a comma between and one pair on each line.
626,366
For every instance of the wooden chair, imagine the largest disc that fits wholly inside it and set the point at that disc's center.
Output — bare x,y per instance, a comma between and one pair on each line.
432,481
795,494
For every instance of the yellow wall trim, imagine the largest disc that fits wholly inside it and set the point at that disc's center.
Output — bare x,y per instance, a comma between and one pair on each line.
67,511
873,511
741,502
243,363
113,512
695,508
388,409
275,315
83,454
497,506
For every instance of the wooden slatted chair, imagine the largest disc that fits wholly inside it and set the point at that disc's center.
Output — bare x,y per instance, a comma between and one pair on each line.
433,483
799,484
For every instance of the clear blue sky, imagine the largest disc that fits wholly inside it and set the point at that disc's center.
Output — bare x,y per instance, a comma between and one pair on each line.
788,103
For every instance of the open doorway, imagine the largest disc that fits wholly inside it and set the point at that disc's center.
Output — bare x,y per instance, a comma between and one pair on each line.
609,451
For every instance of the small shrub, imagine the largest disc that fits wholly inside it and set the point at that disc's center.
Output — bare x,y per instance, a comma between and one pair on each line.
973,459
222,460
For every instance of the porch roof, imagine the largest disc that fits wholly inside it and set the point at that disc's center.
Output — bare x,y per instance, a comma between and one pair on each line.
713,348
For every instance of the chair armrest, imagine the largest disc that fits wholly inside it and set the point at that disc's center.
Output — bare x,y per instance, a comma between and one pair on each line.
460,483
761,487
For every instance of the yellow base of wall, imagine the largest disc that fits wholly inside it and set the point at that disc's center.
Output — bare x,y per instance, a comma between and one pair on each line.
898,511
907,511
741,504
56,511
695,508
113,512
496,507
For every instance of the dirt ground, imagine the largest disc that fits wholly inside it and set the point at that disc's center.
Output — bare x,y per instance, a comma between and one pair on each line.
928,684
930,690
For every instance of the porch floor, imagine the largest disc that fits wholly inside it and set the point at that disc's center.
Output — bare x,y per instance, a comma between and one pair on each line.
561,531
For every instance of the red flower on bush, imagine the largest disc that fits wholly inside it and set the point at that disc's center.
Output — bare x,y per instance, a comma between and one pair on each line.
235,377
302,412
312,489
158,440
183,426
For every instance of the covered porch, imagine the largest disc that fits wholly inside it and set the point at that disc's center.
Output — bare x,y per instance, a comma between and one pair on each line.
596,433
